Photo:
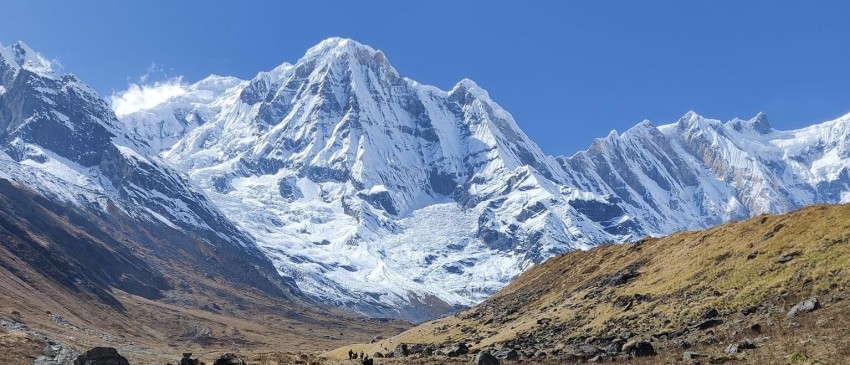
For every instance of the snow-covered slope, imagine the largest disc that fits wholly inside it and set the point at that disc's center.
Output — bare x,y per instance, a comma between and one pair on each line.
373,191
399,199
699,172
62,140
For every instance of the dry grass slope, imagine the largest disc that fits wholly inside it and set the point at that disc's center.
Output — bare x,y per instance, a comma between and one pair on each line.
660,290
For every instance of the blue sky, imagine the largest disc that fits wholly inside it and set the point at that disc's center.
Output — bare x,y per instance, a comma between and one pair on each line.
569,71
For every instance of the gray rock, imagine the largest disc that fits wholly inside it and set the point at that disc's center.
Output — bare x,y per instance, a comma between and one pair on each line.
508,354
229,359
806,306
587,350
102,356
55,353
738,347
188,359
456,350
485,358
401,350
785,258
704,325
639,348
710,313
689,356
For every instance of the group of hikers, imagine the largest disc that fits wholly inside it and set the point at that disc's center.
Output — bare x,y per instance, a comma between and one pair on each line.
364,359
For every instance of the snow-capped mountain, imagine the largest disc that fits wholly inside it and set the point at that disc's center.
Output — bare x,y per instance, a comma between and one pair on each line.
62,140
371,191
400,199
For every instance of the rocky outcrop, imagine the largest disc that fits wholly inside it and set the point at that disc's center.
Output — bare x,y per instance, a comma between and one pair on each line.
189,360
805,306
639,348
485,358
101,356
229,359
56,353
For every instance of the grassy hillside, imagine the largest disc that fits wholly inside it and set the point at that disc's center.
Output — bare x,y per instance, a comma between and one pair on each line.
88,280
691,291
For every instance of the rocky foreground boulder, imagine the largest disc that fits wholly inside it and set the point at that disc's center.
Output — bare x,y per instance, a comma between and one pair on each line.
101,356
485,358
230,359
189,360
805,306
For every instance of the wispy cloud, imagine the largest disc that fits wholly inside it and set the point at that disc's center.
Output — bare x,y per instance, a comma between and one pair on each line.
145,93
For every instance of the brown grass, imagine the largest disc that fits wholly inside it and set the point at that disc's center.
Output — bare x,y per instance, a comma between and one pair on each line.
728,268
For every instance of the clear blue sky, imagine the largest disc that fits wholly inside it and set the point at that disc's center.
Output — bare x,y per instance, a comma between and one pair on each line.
569,71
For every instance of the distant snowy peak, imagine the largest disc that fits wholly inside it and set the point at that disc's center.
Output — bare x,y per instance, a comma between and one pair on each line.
20,55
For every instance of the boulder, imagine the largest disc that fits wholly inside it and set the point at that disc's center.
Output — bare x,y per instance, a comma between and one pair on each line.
401,350
587,351
101,356
485,358
639,348
456,350
785,258
737,347
378,355
56,353
188,359
706,324
806,306
424,350
690,356
613,348
508,354
229,359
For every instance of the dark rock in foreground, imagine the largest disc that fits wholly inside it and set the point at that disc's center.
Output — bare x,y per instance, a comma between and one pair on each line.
485,358
101,356
639,348
229,359
188,359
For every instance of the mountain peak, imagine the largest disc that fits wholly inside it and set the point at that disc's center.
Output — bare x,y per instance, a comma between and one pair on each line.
760,123
471,87
690,117
337,46
20,55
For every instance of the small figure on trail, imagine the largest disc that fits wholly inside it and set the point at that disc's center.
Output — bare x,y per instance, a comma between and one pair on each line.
361,355
351,355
